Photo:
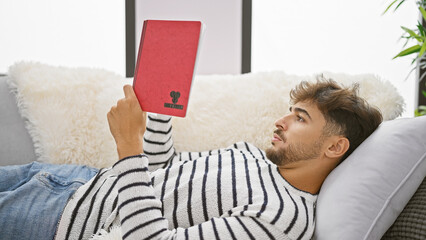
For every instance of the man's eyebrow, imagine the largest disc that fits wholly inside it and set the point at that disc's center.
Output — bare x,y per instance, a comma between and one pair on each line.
298,109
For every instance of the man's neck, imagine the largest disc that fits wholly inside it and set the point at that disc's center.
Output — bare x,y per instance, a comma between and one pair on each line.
305,175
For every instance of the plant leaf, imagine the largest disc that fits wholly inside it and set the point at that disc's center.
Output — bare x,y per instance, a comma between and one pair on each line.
409,73
424,93
420,111
412,34
416,113
421,77
390,5
422,10
421,29
406,37
399,5
408,51
422,50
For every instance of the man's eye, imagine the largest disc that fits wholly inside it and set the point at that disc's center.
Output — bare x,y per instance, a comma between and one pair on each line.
300,119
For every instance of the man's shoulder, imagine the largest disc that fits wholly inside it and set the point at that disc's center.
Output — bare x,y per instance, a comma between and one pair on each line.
240,151
251,149
242,145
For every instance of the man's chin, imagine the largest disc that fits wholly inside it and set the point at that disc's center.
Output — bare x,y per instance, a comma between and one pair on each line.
274,155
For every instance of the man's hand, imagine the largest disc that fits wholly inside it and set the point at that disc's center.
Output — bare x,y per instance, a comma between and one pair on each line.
127,123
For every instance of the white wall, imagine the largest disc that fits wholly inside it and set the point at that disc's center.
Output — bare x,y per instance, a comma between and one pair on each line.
89,33
220,49
307,37
299,37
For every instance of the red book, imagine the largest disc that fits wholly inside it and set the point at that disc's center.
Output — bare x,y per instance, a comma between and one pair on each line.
165,65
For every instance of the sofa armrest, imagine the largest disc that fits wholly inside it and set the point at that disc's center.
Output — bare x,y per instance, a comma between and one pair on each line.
16,146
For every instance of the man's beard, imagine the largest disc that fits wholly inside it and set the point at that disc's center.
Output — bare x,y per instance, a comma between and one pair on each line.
294,152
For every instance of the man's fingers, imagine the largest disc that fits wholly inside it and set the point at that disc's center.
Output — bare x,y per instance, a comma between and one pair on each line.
128,91
129,94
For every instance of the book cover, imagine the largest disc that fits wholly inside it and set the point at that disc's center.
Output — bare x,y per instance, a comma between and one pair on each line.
165,65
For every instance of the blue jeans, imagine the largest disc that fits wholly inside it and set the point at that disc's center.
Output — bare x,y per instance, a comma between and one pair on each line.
33,196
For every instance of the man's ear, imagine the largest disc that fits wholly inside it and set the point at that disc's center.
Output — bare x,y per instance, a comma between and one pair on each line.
338,147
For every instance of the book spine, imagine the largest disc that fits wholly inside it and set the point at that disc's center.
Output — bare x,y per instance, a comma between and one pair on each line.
202,28
140,51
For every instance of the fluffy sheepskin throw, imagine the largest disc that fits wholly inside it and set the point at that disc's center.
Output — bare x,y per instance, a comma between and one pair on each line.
66,109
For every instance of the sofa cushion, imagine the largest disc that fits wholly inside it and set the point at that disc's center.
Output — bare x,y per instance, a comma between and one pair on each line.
16,146
411,223
363,196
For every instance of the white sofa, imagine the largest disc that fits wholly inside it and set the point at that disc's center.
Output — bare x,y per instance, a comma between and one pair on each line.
58,115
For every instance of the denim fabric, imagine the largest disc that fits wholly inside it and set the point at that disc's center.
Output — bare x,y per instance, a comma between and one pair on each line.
33,196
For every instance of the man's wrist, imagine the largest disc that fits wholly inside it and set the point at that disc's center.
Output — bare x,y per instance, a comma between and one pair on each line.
126,150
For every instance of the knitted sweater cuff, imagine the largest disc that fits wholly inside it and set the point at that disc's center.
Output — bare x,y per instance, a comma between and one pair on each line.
131,162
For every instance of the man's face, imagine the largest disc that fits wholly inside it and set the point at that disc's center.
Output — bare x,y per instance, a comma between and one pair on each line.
299,135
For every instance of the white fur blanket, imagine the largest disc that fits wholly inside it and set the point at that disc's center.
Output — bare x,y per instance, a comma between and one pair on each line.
66,110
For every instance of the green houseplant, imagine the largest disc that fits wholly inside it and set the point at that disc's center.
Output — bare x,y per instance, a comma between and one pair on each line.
417,35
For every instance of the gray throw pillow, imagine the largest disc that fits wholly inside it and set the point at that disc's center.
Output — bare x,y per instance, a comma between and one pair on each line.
364,195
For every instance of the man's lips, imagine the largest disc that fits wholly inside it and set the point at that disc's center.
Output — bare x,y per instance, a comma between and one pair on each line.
277,137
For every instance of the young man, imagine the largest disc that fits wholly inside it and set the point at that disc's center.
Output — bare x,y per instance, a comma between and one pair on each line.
239,192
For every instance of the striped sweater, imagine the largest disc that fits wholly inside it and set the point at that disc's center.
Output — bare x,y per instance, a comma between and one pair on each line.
230,193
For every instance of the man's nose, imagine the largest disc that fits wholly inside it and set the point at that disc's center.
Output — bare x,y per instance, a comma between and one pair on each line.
281,123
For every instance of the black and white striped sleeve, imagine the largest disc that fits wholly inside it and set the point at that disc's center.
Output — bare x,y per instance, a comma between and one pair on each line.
141,214
157,141
158,144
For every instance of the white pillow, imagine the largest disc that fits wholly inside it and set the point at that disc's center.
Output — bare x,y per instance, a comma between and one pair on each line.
364,195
